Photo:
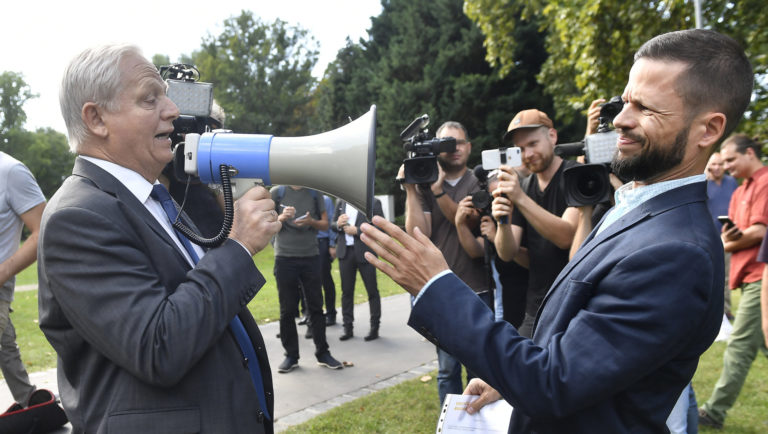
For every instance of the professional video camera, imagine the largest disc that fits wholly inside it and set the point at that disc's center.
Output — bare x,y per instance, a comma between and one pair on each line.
421,164
589,184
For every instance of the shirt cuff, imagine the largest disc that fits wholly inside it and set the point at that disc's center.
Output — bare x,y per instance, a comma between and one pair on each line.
435,277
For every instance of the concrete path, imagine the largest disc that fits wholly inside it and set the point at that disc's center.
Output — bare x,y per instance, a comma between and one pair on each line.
399,354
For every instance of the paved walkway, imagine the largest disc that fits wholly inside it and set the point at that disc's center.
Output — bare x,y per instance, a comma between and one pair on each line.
399,354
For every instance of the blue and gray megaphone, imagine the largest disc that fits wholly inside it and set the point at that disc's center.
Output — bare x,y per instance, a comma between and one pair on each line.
340,163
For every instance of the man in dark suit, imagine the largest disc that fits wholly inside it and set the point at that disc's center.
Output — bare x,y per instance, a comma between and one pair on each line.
146,339
350,251
620,332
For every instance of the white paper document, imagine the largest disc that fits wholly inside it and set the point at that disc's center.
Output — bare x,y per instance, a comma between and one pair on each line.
493,418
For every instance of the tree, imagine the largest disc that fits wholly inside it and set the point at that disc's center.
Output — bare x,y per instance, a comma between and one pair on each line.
590,42
428,58
262,74
45,152
14,92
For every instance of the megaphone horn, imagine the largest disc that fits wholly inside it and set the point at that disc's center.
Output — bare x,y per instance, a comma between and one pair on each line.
340,163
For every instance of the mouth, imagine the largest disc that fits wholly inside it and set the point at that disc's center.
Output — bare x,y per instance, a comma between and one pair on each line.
164,136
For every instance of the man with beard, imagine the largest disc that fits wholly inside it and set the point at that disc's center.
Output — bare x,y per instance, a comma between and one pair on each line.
620,332
540,219
433,211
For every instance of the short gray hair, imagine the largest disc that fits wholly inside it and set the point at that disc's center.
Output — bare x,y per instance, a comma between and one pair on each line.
92,76
455,125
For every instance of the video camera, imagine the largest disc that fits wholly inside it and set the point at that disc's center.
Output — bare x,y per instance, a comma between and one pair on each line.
421,164
589,184
194,100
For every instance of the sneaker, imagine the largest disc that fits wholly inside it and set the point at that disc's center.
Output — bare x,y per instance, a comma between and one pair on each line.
706,420
303,320
288,365
328,361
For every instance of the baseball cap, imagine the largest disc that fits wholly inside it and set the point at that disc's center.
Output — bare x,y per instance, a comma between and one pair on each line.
530,118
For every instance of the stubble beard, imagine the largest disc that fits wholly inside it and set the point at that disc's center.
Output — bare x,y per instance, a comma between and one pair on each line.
652,161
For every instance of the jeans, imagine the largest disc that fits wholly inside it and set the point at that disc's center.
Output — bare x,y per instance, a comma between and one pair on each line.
684,418
289,272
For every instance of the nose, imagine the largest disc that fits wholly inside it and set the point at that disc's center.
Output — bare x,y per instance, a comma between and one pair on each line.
624,120
170,111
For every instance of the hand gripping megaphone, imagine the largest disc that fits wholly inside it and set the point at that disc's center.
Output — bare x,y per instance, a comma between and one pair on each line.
340,162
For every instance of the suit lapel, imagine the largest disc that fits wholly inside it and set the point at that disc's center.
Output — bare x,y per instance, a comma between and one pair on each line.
109,184
671,199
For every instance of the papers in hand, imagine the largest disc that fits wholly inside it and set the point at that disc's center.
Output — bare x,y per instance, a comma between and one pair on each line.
492,418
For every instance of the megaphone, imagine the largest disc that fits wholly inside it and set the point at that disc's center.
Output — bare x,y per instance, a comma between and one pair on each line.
340,163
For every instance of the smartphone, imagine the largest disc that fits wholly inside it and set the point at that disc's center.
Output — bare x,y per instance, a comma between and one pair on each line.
493,158
726,222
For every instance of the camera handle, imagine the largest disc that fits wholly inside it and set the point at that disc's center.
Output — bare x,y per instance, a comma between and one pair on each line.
229,212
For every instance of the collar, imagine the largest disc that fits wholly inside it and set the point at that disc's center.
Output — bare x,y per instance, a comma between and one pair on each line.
631,195
134,182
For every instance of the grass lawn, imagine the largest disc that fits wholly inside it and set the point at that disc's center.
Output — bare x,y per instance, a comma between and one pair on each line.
410,406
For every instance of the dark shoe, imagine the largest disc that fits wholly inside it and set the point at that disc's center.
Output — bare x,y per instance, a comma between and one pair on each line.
329,362
347,334
373,334
303,320
330,319
308,334
706,420
288,365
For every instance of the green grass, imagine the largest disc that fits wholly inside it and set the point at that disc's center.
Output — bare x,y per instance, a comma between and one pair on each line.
411,406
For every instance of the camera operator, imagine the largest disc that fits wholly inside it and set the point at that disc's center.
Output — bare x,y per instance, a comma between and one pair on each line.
510,279
540,218
433,211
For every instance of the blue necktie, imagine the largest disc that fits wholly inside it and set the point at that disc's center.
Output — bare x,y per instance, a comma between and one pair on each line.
160,194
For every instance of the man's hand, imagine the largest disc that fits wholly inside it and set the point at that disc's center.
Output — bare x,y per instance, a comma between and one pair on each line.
332,253
501,207
593,115
488,228
410,261
255,220
487,395
437,186
288,213
731,234
304,220
509,184
466,212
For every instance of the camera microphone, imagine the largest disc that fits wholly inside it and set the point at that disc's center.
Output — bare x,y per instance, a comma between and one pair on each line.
417,125
566,150
480,173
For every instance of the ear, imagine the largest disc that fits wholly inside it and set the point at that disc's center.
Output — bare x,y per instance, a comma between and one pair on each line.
92,116
552,133
712,127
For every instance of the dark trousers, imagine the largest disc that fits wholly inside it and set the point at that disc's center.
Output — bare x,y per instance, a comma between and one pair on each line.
329,287
348,268
289,272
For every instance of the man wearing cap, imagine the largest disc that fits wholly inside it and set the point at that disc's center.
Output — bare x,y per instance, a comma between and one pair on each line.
540,219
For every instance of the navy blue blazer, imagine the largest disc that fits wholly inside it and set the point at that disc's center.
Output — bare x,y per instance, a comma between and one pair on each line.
618,335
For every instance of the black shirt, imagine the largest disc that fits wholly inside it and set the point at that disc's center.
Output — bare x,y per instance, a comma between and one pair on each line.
546,259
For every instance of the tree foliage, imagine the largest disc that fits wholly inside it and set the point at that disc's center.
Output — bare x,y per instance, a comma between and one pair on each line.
428,58
590,43
262,74
14,92
45,151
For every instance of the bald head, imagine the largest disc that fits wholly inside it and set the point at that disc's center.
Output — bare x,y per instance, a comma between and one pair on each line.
715,169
